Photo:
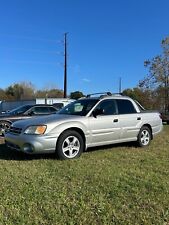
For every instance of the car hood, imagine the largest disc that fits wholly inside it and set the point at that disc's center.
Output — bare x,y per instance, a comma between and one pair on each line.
13,118
5,115
53,119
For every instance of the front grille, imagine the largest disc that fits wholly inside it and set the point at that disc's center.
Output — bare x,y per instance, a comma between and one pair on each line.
15,130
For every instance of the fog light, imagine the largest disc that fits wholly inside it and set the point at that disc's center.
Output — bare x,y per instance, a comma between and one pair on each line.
28,148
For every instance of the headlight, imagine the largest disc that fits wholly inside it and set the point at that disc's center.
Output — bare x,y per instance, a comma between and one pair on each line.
35,129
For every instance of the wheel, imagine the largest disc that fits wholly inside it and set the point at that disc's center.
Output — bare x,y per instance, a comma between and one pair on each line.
4,127
70,145
144,136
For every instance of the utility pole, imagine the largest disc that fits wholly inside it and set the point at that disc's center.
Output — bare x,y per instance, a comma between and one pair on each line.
166,93
65,65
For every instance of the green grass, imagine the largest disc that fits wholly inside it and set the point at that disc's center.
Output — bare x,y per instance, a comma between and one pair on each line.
120,184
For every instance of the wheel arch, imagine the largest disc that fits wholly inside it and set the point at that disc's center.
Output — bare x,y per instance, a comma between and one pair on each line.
77,129
149,126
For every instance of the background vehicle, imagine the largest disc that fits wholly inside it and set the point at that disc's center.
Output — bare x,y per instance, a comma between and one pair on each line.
62,103
23,112
6,106
165,117
87,122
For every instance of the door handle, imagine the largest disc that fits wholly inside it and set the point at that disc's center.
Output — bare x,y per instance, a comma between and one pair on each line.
138,118
115,120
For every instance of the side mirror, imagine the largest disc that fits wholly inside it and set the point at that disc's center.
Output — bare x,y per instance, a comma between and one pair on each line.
98,112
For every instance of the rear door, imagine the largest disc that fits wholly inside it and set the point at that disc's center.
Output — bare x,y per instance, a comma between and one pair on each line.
129,119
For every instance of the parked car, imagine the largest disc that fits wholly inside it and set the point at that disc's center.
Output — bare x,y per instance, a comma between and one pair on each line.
87,122
62,102
23,112
165,117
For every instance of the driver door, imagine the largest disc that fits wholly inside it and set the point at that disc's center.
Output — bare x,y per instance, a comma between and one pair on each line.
105,128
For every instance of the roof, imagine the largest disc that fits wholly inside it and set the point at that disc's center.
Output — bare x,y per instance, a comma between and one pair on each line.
104,95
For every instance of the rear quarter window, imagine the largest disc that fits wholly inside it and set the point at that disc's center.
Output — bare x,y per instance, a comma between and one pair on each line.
58,105
125,106
52,109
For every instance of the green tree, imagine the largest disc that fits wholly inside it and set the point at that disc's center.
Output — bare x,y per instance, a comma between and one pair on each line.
144,97
3,95
76,94
53,93
158,77
28,90
20,91
14,91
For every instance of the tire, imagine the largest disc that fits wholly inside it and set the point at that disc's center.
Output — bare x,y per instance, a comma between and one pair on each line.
4,127
144,136
70,145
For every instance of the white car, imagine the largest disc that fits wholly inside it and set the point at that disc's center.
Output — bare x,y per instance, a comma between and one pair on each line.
87,122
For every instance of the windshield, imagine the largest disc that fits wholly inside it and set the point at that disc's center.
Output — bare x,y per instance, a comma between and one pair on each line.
20,109
80,107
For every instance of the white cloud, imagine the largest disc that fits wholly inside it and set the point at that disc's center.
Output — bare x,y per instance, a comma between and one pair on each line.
86,80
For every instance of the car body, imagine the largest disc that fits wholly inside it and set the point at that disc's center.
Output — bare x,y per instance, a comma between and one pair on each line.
23,112
87,122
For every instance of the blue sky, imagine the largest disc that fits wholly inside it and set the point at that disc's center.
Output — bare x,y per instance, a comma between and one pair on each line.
107,39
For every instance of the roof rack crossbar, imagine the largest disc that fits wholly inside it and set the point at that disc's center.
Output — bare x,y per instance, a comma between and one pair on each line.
103,94
100,93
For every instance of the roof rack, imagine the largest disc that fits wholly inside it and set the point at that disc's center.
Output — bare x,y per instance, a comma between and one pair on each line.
103,94
100,93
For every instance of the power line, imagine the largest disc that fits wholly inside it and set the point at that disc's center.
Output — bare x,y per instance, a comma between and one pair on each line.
32,50
29,38
30,62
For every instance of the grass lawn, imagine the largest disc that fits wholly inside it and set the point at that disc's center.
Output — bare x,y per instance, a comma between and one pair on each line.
120,184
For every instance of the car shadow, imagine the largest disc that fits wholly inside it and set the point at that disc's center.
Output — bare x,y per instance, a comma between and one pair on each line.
113,146
8,154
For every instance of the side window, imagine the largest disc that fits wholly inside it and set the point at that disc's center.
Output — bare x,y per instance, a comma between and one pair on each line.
40,110
125,106
52,110
108,107
58,105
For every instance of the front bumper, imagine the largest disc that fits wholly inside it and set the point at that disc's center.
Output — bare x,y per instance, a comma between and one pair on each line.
31,144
